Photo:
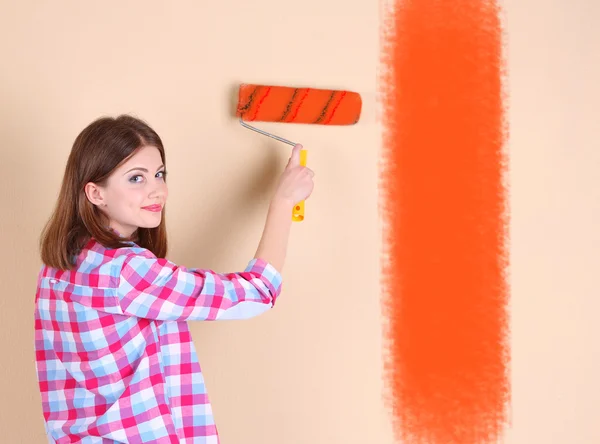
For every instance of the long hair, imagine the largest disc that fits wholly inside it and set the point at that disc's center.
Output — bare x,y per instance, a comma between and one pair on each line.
100,148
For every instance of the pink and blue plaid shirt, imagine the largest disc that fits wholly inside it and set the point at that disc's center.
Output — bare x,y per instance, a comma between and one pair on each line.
114,356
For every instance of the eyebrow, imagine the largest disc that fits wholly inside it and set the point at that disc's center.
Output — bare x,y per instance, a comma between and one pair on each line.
143,169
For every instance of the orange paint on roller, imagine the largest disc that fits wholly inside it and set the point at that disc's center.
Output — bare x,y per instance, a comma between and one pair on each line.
264,103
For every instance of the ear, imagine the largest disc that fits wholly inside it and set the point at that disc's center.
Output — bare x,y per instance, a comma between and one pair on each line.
95,194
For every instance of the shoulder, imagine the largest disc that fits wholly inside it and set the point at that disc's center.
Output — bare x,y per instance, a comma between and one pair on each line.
135,263
99,259
130,255
133,251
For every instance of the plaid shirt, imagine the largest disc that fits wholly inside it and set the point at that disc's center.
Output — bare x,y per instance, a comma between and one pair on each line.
114,356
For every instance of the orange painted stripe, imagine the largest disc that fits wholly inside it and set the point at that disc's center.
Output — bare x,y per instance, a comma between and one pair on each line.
446,219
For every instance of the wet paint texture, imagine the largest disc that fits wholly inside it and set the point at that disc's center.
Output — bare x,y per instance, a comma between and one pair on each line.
286,104
446,218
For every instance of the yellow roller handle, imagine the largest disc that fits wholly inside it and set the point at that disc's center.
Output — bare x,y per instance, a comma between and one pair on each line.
298,211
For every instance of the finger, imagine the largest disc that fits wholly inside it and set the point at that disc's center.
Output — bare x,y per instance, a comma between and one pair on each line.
295,157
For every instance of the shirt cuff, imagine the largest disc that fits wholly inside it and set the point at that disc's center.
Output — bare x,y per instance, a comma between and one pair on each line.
268,274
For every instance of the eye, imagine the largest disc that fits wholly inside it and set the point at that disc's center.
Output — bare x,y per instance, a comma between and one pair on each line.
133,179
161,174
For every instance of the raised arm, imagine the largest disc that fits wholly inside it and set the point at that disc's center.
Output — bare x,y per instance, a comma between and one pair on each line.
296,184
155,288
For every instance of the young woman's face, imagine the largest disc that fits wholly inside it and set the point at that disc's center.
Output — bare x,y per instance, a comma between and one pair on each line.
135,193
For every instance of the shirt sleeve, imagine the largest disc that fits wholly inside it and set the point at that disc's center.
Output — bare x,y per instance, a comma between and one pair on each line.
158,289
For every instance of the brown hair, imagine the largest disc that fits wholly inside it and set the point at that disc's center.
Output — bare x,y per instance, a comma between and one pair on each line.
100,148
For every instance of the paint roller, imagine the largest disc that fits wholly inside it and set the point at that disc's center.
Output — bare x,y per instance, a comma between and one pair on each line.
285,104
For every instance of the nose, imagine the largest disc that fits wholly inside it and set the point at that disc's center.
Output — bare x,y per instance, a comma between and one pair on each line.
158,190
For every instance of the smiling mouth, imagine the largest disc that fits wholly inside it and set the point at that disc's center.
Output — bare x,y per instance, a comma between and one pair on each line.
153,208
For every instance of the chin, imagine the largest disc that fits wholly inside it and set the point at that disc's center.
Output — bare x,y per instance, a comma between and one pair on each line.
154,225
150,224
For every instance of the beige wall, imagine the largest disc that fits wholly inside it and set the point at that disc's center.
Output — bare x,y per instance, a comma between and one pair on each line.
312,367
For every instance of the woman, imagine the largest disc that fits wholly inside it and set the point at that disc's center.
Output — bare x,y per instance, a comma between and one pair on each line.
114,356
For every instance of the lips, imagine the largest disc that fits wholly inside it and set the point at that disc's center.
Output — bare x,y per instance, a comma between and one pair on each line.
153,208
